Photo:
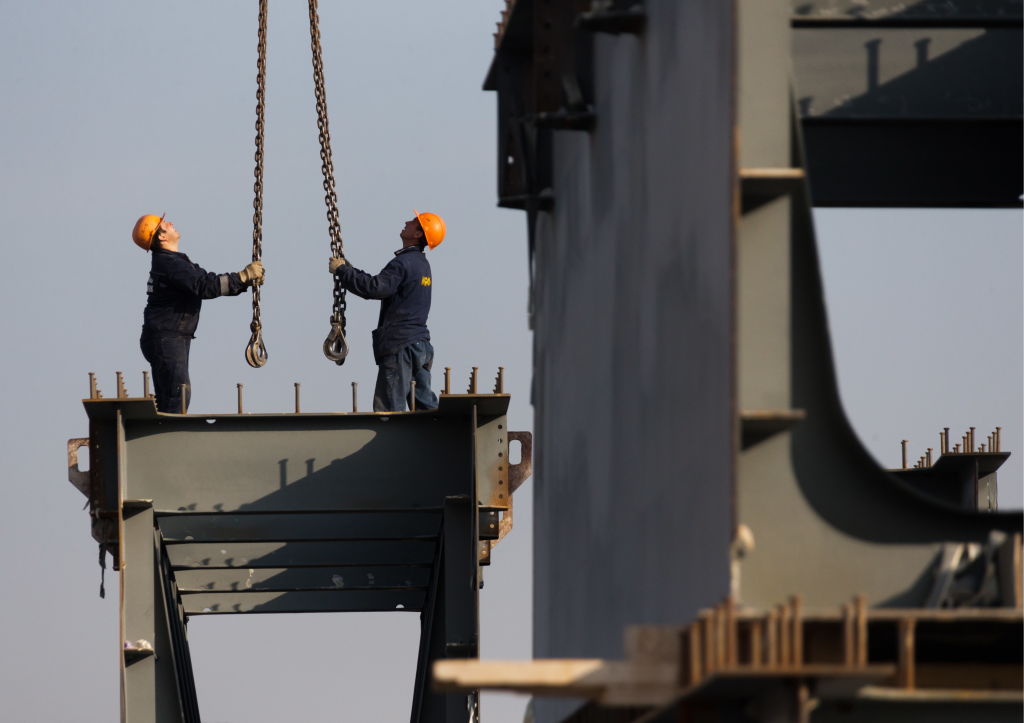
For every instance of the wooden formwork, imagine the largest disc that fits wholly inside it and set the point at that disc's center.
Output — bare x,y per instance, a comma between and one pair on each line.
848,652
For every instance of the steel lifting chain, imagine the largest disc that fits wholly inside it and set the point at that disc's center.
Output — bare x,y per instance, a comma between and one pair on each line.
256,351
335,345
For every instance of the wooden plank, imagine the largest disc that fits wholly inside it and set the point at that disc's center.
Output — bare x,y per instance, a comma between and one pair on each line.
772,644
945,695
707,637
694,655
582,678
785,637
905,671
796,605
938,615
772,174
731,632
860,613
756,638
719,638
621,683
849,652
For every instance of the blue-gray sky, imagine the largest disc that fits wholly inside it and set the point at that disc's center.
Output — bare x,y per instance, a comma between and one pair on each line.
114,108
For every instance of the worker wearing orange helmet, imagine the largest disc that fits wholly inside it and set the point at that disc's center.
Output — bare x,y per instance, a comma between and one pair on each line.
401,341
175,292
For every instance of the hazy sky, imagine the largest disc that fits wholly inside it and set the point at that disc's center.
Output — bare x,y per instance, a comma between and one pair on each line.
110,109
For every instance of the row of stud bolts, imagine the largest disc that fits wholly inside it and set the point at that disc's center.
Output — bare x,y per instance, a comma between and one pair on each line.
967,445
122,392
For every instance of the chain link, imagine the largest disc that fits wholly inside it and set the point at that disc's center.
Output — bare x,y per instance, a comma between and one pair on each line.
335,345
256,351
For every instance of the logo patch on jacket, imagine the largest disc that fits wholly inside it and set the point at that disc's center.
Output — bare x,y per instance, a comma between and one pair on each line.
425,281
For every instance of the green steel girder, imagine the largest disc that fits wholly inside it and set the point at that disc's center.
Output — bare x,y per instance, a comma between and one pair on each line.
265,513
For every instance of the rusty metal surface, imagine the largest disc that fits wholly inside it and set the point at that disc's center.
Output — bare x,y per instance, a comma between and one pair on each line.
76,476
502,25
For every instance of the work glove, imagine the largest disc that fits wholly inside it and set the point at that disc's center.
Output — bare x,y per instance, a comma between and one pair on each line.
253,273
334,263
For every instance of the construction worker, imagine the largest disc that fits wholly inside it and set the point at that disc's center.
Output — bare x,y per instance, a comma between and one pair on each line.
401,341
175,292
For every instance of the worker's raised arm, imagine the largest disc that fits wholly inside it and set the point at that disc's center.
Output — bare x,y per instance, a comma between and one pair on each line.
362,284
178,270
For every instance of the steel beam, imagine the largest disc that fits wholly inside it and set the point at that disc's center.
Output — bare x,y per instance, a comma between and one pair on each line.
332,601
277,527
282,579
149,692
450,620
301,554
241,514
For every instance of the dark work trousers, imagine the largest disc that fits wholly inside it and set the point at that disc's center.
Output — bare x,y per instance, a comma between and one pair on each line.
395,374
168,357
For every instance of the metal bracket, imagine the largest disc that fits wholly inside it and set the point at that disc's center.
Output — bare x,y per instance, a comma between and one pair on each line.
489,522
519,473
76,476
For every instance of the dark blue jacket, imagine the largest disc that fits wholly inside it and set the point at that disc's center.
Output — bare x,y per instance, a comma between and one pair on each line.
176,290
403,287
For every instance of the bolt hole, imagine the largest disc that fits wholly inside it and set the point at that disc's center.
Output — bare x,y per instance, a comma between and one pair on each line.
500,427
515,450
83,458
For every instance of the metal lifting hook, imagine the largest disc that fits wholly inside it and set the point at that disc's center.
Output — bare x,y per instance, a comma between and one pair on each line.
335,345
256,352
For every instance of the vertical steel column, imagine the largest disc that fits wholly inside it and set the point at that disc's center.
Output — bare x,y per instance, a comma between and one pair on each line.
460,584
450,623
150,692
427,705
181,657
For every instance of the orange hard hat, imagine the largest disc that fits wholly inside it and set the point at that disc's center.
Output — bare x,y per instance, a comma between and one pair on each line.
145,229
433,228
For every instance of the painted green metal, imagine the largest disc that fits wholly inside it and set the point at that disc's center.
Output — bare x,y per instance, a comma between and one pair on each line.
911,104
273,513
